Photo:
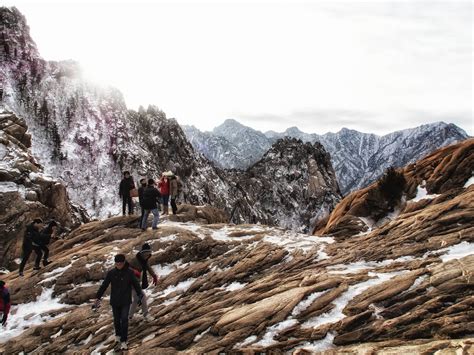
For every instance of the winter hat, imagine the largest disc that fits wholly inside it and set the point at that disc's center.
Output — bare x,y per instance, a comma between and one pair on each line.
119,258
146,248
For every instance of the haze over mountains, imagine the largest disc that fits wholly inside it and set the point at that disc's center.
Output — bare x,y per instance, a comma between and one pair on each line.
358,158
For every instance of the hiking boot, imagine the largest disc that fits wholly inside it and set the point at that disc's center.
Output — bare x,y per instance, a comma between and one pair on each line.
46,262
123,345
117,338
37,268
21,274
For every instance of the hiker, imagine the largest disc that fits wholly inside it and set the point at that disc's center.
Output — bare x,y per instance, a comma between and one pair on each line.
32,232
41,244
126,185
151,199
174,190
164,186
140,200
4,302
122,280
140,267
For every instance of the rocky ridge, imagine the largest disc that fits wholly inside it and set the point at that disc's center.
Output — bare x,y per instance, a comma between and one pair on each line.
405,285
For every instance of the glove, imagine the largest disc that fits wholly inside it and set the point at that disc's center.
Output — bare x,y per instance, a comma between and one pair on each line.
155,280
4,319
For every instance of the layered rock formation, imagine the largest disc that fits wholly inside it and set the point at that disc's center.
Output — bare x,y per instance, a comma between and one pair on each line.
440,176
405,285
25,192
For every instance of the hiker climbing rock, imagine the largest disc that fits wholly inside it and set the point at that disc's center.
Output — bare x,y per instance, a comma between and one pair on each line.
42,243
32,233
141,268
121,280
151,199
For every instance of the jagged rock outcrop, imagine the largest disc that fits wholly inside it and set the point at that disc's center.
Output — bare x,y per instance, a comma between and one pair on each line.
25,192
290,182
403,286
443,173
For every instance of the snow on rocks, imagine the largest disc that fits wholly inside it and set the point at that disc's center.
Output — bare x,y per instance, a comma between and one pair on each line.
26,315
422,194
469,182
258,288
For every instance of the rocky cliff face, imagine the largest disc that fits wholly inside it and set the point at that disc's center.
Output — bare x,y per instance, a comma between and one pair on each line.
85,136
25,191
358,158
403,286
290,182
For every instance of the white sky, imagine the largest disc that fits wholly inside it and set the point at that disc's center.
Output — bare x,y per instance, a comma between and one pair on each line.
374,66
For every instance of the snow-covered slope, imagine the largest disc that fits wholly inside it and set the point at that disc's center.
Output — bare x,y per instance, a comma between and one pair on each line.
230,145
358,158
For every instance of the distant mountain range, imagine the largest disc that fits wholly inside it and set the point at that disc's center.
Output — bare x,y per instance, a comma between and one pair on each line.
358,158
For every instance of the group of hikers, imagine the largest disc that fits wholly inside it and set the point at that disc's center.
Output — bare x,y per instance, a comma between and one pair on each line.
150,198
126,292
124,277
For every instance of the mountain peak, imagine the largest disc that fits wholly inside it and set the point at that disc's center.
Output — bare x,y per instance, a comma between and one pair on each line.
293,131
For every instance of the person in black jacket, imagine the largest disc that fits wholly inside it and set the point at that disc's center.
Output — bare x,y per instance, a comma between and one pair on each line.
151,198
140,200
122,280
40,245
126,185
32,233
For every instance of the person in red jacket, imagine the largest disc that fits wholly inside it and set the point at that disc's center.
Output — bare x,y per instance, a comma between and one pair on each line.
4,302
164,186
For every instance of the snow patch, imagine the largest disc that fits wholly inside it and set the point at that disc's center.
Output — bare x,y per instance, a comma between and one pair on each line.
199,336
422,194
235,286
469,182
246,341
26,315
341,302
457,251
304,304
267,339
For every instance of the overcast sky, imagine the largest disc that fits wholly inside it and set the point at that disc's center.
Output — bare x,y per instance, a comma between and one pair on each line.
374,66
